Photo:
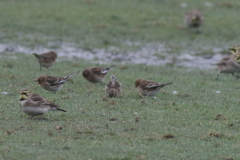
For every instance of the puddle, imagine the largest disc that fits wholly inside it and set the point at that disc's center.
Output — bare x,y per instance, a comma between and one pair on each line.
149,54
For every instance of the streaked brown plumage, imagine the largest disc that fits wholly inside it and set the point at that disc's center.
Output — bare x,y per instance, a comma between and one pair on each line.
148,88
53,83
194,19
113,88
228,65
95,74
46,59
35,105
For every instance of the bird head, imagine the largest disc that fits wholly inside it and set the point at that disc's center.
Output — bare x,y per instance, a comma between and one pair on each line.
236,58
234,50
138,82
24,94
41,79
86,73
195,19
113,77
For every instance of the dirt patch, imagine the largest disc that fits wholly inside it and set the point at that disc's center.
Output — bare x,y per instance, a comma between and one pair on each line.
149,54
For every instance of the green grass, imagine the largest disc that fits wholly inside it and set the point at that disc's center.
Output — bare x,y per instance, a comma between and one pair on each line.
138,132
99,24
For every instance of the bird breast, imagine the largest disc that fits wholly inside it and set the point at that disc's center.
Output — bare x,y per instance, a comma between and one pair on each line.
34,111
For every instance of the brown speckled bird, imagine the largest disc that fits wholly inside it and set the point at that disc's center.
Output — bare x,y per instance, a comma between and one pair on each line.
95,74
194,19
53,83
148,88
46,59
113,88
230,64
35,105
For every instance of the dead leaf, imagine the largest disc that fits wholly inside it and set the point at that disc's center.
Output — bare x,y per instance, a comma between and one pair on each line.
113,119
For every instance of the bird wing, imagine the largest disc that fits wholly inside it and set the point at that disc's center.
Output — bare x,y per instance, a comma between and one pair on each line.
35,100
153,85
53,80
98,71
149,84
46,56
39,101
49,56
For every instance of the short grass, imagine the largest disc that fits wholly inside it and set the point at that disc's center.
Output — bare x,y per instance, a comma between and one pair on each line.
99,24
100,128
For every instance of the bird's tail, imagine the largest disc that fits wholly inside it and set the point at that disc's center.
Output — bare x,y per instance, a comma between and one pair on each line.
110,67
65,78
166,84
59,109
214,64
36,55
54,107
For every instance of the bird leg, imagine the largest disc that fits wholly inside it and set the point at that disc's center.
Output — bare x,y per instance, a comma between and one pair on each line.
217,76
140,95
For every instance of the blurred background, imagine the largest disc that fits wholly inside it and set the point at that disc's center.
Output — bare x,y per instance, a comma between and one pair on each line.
149,32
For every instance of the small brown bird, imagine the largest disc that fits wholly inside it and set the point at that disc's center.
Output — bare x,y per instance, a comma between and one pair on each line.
229,64
53,83
194,19
35,105
148,88
46,59
113,88
95,74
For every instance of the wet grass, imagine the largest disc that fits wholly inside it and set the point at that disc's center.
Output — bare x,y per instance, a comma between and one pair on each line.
196,123
99,24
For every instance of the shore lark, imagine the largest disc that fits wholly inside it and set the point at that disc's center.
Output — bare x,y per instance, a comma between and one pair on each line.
235,50
35,105
53,83
230,64
46,59
95,74
113,88
194,19
148,88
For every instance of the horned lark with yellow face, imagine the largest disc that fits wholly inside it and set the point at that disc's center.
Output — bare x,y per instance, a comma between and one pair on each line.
148,88
230,64
46,59
95,74
193,19
53,83
35,105
113,88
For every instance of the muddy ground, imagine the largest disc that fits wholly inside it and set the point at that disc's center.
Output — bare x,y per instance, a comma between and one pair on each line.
149,54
